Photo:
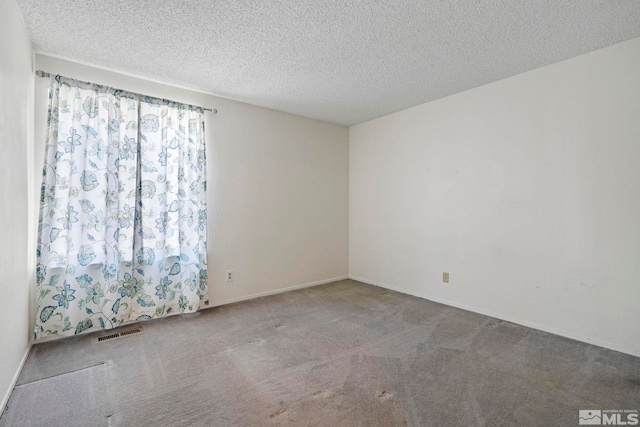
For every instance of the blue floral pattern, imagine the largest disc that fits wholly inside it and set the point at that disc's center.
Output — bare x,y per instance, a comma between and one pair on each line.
122,233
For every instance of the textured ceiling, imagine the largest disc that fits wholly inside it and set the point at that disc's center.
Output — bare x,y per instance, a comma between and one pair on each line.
339,61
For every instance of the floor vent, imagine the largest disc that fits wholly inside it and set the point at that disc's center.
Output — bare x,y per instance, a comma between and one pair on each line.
118,334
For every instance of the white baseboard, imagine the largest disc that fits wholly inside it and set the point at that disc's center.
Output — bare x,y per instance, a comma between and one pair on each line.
532,325
274,292
7,394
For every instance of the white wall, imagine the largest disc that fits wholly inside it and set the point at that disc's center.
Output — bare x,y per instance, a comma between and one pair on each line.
526,190
16,134
278,188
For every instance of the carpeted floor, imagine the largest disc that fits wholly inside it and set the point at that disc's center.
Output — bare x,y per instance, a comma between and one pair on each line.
341,354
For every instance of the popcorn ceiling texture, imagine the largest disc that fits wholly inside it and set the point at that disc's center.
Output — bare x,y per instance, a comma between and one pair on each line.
344,62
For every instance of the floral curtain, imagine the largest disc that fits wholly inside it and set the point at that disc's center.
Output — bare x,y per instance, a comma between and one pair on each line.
122,232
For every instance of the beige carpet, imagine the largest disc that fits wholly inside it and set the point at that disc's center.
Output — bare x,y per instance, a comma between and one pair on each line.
342,354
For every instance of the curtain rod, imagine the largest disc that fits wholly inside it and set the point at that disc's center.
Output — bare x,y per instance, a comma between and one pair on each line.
41,73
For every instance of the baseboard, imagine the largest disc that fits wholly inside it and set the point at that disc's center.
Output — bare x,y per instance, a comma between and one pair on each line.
7,395
532,325
274,292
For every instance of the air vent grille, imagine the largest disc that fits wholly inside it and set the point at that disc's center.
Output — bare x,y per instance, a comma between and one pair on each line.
118,334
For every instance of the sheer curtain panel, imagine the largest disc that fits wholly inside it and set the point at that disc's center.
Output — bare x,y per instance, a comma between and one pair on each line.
123,219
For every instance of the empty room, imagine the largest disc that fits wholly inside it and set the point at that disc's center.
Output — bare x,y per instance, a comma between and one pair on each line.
320,213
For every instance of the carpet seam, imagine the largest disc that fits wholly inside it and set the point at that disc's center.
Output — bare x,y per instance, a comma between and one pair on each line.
59,375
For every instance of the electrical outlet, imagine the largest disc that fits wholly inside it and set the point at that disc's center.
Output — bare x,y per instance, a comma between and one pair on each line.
229,275
445,277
